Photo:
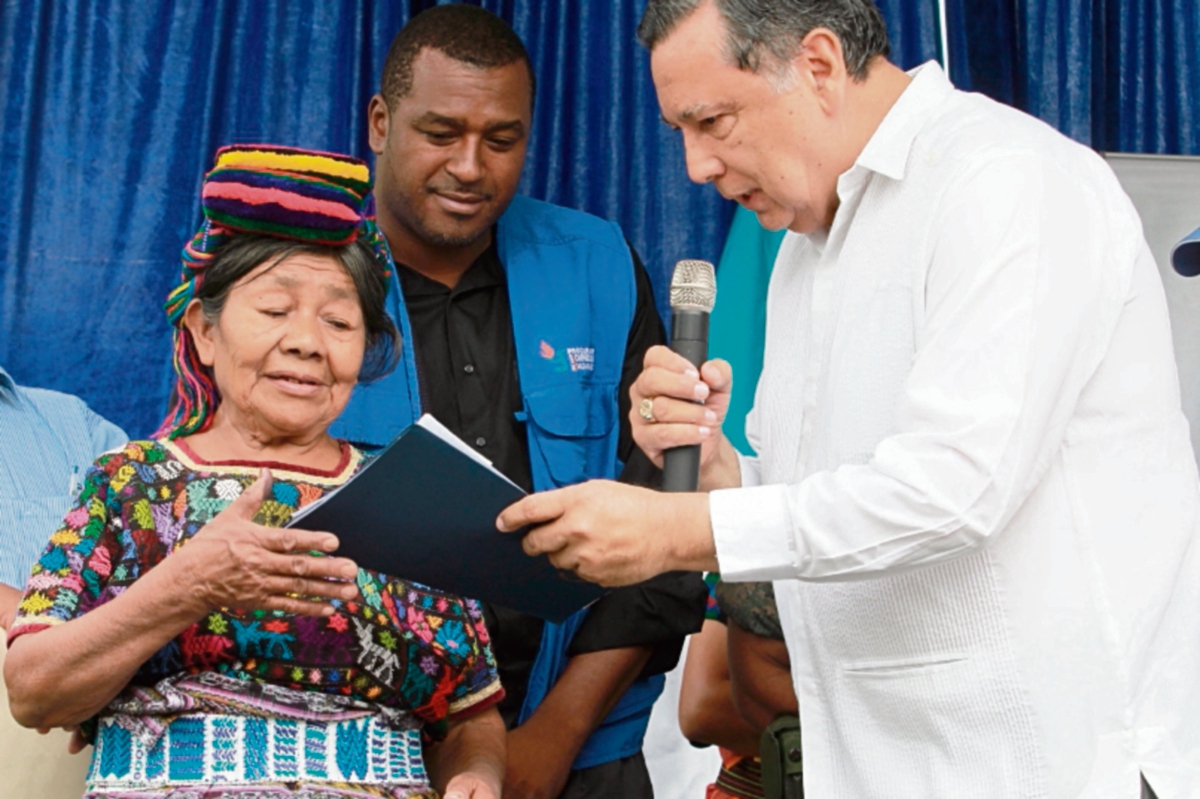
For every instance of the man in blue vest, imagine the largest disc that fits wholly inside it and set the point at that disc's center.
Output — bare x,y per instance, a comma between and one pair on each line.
524,325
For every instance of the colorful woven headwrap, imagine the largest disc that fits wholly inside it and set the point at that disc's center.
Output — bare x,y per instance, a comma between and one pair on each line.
288,193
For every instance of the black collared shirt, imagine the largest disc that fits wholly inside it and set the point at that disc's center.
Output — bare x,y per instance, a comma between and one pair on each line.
466,360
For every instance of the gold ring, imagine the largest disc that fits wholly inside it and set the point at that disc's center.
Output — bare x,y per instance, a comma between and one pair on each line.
646,410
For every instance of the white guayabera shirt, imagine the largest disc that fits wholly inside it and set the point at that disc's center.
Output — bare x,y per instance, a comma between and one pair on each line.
975,489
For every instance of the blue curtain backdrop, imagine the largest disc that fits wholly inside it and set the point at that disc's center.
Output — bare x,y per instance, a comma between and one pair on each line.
112,109
1118,75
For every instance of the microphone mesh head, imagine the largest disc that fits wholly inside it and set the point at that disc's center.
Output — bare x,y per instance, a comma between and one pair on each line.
694,286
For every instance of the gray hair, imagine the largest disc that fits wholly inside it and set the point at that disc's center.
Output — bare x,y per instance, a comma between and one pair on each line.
767,33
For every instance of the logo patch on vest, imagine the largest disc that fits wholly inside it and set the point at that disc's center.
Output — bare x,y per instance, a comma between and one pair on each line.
579,359
582,359
555,358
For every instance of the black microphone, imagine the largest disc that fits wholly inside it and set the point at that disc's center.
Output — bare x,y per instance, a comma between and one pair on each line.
693,294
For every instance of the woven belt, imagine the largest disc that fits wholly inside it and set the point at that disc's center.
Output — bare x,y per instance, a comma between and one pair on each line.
245,750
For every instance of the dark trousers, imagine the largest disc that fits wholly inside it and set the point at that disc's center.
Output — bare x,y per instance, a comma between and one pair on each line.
621,779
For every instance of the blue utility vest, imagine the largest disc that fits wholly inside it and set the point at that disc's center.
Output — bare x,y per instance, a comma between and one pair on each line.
572,291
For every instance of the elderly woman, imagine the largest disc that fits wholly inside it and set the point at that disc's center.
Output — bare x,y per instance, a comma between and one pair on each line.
215,654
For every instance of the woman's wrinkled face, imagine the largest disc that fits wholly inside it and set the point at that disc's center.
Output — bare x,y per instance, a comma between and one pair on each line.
287,348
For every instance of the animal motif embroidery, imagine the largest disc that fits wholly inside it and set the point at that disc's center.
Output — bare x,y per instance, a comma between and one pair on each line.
254,640
399,645
374,658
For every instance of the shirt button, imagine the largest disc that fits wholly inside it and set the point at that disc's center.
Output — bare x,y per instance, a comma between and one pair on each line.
469,369
481,441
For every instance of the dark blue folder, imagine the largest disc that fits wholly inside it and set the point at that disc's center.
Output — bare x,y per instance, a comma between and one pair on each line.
424,511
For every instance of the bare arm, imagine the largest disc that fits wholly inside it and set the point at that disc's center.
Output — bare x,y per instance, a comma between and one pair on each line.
65,674
9,599
761,677
724,470
470,762
706,710
541,751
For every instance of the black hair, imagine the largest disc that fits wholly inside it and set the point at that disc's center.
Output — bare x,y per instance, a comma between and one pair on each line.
465,33
244,253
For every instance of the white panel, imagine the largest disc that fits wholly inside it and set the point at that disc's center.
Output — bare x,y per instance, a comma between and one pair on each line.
1166,191
677,769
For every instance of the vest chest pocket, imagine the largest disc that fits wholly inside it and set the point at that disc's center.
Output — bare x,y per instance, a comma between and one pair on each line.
572,433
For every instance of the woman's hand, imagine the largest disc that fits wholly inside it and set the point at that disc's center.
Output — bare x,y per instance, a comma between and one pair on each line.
686,407
76,744
470,761
470,786
235,563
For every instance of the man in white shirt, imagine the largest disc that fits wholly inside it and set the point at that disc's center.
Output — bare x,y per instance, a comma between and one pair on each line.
974,485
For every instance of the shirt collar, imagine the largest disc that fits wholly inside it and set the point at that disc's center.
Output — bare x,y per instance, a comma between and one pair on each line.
10,394
485,271
888,148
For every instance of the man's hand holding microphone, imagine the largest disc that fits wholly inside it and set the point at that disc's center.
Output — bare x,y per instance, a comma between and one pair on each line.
676,405
616,534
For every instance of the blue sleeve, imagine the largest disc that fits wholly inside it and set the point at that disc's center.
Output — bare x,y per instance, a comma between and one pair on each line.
106,436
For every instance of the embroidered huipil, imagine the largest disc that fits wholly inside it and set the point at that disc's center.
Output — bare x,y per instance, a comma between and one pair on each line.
974,486
405,655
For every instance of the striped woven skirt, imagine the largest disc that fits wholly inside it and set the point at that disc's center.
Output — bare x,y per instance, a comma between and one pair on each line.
216,755
740,778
